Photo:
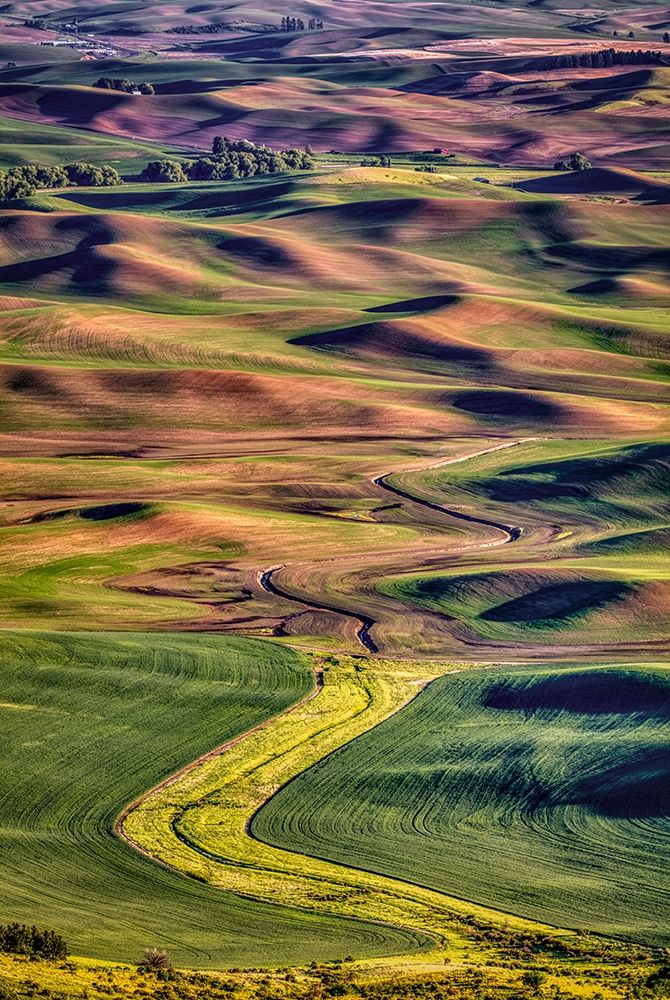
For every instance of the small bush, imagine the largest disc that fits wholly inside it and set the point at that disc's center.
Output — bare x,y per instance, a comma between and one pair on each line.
154,959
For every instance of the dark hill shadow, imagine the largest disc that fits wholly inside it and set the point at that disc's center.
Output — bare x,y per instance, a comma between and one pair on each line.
557,603
579,477
101,512
392,342
602,692
425,303
637,788
493,404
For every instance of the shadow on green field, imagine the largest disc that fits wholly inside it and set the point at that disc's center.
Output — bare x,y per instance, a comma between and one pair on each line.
539,791
559,602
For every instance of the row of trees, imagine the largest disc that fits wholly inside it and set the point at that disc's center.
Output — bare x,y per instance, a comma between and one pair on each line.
19,939
232,159
22,182
297,24
218,27
215,28
603,58
126,86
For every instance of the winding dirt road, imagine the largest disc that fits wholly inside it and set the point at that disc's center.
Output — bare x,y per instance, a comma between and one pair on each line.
362,633
510,533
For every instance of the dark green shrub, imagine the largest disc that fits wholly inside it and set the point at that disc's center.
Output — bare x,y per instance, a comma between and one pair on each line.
38,942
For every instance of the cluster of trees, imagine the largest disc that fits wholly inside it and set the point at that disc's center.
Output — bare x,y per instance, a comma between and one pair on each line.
575,161
13,186
36,23
377,161
126,86
217,27
231,160
603,58
92,175
297,24
199,29
20,939
22,182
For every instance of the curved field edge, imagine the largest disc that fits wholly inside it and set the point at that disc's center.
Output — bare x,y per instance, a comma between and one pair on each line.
558,771
201,823
90,721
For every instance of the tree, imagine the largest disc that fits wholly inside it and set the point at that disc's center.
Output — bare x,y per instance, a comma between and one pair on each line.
39,176
222,144
666,37
13,187
89,175
631,34
164,172
234,158
51,177
575,161
147,88
154,959
295,159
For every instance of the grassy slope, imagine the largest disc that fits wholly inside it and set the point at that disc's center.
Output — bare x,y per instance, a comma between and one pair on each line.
30,142
526,790
91,722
